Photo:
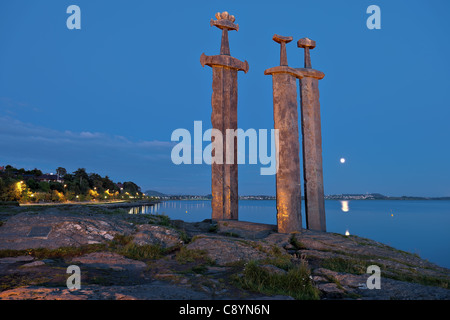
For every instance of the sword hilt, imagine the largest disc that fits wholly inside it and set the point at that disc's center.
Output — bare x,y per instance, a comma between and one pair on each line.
225,22
307,44
282,41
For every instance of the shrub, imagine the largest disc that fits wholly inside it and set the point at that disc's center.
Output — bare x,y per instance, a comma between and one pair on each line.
296,282
144,252
187,255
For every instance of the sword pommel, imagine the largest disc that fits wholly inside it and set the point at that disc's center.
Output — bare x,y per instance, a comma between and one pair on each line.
282,41
224,21
307,44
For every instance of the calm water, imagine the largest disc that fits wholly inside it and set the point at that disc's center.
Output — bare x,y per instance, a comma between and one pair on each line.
416,226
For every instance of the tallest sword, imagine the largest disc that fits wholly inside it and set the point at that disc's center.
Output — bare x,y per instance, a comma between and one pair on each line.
224,175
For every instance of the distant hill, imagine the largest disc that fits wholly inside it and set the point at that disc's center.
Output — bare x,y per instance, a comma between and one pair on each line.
153,193
378,196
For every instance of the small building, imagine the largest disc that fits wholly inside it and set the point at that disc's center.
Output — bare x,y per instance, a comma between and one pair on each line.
48,178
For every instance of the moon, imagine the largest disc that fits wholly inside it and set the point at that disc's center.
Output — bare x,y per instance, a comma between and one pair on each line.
342,160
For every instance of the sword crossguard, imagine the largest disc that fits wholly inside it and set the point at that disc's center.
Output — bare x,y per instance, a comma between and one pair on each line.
282,41
224,61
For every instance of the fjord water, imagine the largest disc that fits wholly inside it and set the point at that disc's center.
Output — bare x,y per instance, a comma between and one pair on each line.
417,226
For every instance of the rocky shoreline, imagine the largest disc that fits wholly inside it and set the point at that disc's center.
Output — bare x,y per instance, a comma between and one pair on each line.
150,257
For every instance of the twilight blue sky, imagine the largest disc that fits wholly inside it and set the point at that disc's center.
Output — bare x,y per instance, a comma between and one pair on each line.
108,97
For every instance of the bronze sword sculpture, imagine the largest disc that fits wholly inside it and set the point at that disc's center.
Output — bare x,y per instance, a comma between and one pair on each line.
284,91
224,184
285,114
312,140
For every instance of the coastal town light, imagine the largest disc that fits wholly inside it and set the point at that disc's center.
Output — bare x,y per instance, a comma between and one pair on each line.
344,206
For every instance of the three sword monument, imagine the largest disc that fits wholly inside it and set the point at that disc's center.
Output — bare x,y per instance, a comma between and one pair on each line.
224,179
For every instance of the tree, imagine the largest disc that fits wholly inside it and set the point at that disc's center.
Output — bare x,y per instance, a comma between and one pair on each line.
44,186
84,186
2,189
109,185
36,172
10,189
96,182
57,196
81,179
131,187
33,185
81,174
68,178
10,171
57,186
26,195
61,172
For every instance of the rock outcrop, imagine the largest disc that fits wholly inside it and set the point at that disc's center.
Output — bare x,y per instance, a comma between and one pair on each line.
59,229
149,261
109,260
157,235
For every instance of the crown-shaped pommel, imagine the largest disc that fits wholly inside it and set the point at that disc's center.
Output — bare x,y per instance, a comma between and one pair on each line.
224,21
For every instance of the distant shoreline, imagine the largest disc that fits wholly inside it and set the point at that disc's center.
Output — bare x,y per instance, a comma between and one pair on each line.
111,204
128,204
326,198
344,196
